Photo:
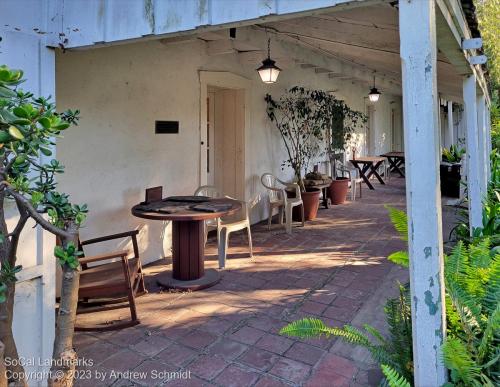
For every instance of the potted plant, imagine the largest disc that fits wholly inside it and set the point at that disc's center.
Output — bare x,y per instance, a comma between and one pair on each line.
300,118
342,123
450,171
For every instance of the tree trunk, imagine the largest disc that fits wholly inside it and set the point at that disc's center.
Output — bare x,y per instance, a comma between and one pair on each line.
64,357
15,371
3,370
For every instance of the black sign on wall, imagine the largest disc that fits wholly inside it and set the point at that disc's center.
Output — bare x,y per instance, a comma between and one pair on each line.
166,127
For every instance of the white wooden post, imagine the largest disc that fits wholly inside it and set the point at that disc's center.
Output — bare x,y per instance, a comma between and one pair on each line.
484,154
488,141
417,30
450,138
472,148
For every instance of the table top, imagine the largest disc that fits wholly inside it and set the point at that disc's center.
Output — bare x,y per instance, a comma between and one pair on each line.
394,154
367,159
184,213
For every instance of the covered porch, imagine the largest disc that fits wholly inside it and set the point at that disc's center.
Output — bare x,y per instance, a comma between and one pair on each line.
335,269
149,65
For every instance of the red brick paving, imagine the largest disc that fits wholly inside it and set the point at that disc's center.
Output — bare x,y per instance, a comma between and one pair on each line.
334,268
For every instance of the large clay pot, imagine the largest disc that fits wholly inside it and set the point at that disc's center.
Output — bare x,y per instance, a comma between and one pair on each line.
310,198
338,190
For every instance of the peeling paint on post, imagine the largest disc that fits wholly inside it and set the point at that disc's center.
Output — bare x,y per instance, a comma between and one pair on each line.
417,24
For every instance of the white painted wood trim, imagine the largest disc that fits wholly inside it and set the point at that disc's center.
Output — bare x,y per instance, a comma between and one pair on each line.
488,141
449,134
417,24
472,149
484,159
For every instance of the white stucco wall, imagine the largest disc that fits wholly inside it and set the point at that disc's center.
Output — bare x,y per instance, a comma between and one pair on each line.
113,155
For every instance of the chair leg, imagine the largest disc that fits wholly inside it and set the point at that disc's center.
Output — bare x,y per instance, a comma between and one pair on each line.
288,219
270,217
281,212
353,190
223,246
250,240
303,216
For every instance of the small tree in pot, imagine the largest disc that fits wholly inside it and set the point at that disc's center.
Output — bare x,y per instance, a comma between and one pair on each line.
300,117
343,121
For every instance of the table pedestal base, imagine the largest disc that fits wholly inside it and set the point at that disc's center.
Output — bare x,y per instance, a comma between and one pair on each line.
210,278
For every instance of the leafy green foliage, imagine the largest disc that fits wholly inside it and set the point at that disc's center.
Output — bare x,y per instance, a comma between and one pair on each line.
29,126
399,221
490,213
7,275
395,352
306,118
471,350
488,15
394,379
453,155
68,255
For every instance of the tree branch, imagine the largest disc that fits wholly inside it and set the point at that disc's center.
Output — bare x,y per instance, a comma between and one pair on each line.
16,233
36,215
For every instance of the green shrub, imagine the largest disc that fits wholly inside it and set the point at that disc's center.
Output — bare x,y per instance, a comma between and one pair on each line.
453,155
395,352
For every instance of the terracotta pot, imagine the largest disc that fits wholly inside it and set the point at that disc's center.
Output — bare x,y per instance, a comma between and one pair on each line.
310,199
338,190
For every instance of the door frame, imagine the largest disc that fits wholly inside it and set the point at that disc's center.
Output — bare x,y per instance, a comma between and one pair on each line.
226,80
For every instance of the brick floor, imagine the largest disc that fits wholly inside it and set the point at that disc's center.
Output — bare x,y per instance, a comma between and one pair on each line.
335,269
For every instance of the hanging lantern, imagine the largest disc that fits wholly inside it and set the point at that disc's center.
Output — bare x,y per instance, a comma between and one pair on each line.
269,71
374,94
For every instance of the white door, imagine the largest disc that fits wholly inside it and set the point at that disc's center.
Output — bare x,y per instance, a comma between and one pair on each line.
228,145
210,137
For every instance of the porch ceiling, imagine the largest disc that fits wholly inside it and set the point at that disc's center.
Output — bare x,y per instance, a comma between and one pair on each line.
365,37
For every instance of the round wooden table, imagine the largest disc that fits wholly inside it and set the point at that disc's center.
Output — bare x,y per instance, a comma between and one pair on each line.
188,242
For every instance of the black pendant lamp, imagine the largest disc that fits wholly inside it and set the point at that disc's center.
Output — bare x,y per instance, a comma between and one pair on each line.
374,94
268,71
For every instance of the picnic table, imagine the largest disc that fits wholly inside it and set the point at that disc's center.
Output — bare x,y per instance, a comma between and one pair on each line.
188,214
396,161
367,166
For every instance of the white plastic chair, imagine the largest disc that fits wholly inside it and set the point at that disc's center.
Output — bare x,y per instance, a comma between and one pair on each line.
353,175
211,192
237,222
277,198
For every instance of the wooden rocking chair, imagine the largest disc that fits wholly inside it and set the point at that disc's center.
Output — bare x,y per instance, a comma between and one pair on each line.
110,285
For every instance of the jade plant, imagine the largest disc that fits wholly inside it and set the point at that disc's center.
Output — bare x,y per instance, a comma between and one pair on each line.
29,126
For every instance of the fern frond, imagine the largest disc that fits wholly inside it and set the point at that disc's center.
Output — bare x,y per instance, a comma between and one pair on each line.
399,220
492,292
394,379
457,262
306,328
487,341
458,360
375,333
466,307
400,258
